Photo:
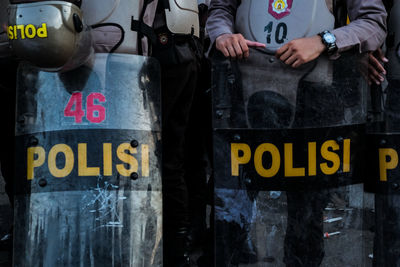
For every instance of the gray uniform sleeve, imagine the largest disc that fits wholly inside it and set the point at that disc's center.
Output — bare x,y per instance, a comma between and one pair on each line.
221,18
367,28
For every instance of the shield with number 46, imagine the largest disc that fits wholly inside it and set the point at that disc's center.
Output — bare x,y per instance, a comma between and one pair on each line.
88,164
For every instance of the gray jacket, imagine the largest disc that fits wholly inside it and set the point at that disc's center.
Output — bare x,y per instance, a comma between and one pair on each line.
367,28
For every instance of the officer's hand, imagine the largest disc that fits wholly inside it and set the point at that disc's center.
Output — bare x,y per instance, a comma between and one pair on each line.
376,71
300,51
234,45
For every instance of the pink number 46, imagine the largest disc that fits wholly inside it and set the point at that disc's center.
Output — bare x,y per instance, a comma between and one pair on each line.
95,113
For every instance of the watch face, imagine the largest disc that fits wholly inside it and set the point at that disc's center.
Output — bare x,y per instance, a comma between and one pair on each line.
329,38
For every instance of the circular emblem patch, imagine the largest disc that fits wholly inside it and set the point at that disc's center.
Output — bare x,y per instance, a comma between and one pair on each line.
279,6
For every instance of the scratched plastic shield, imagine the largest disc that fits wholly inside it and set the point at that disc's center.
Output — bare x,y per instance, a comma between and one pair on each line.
289,161
88,189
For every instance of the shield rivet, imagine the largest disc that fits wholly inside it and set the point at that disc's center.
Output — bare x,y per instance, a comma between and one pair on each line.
339,139
395,186
134,176
134,143
42,182
236,137
271,60
382,142
219,114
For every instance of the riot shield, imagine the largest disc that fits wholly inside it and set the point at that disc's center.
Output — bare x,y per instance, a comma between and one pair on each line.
88,188
288,154
383,181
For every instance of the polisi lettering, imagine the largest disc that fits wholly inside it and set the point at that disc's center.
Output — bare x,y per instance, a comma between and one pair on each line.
29,31
126,154
334,157
388,160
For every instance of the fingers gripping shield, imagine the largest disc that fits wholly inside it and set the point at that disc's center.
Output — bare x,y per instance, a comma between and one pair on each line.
49,34
88,165
288,157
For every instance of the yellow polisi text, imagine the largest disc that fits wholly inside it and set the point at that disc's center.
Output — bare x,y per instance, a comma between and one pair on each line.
128,156
388,160
29,31
334,156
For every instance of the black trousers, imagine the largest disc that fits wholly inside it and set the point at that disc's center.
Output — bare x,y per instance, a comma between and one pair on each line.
8,71
178,84
198,149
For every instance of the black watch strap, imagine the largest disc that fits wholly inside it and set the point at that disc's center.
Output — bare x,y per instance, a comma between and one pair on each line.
330,46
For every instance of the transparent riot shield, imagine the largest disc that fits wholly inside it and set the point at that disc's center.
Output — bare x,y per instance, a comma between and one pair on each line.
288,155
383,180
88,188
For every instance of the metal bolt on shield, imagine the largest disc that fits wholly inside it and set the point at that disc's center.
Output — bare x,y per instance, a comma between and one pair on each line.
42,182
134,176
134,143
236,137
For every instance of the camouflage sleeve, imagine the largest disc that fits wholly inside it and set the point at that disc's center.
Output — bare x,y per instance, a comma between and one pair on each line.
367,27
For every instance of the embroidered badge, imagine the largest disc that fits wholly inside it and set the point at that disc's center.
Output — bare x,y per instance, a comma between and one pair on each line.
279,8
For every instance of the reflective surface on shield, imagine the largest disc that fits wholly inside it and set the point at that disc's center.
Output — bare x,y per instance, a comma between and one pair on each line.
287,151
88,165
383,180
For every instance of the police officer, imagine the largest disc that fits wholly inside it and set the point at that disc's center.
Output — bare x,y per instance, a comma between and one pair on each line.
166,30
234,26
303,50
170,33
387,238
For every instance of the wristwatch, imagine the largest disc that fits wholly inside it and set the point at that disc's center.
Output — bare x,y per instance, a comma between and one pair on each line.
329,40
